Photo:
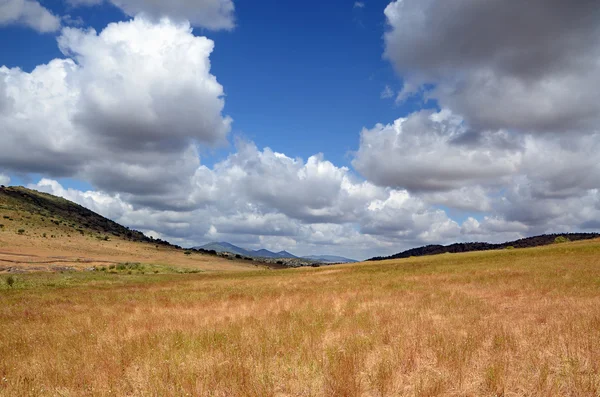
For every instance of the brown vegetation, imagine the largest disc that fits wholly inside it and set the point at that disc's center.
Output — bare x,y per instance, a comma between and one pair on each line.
41,232
511,323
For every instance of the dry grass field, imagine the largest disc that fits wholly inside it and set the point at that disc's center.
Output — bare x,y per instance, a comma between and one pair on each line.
33,253
41,232
504,323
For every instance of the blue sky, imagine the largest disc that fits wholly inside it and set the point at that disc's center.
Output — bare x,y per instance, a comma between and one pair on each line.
318,69
485,133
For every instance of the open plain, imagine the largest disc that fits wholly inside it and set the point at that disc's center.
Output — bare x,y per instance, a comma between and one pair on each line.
501,323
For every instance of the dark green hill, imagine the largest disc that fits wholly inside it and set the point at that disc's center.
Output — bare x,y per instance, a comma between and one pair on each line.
535,241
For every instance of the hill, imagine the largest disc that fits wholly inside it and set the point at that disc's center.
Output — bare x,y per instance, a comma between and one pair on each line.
39,231
42,212
528,242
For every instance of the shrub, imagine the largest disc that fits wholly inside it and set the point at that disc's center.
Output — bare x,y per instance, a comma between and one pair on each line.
188,252
561,239
10,281
510,247
21,231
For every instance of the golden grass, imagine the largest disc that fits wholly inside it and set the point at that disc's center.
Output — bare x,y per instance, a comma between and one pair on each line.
33,239
34,253
511,323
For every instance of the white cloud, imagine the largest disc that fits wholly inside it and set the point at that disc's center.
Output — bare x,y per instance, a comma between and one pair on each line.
359,4
487,65
386,93
4,179
29,13
125,110
429,151
261,198
468,198
210,14
529,183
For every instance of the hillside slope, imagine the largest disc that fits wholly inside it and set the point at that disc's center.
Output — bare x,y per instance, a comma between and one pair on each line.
21,208
41,232
527,242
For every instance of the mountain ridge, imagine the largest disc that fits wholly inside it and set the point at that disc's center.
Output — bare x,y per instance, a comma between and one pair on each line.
224,246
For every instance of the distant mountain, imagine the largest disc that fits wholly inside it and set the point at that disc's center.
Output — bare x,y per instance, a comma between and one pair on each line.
225,247
234,249
535,241
285,254
330,259
264,253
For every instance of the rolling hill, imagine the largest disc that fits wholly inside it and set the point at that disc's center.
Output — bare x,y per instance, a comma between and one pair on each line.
42,232
527,242
24,208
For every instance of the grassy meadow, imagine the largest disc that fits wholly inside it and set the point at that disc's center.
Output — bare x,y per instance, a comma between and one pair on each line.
504,323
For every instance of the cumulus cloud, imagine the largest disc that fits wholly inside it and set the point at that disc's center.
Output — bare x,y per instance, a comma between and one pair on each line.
210,14
530,67
434,151
29,13
125,111
469,198
4,179
534,183
261,198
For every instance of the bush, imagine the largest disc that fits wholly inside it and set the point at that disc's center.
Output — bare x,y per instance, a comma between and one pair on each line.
561,239
188,252
510,247
21,231
10,281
